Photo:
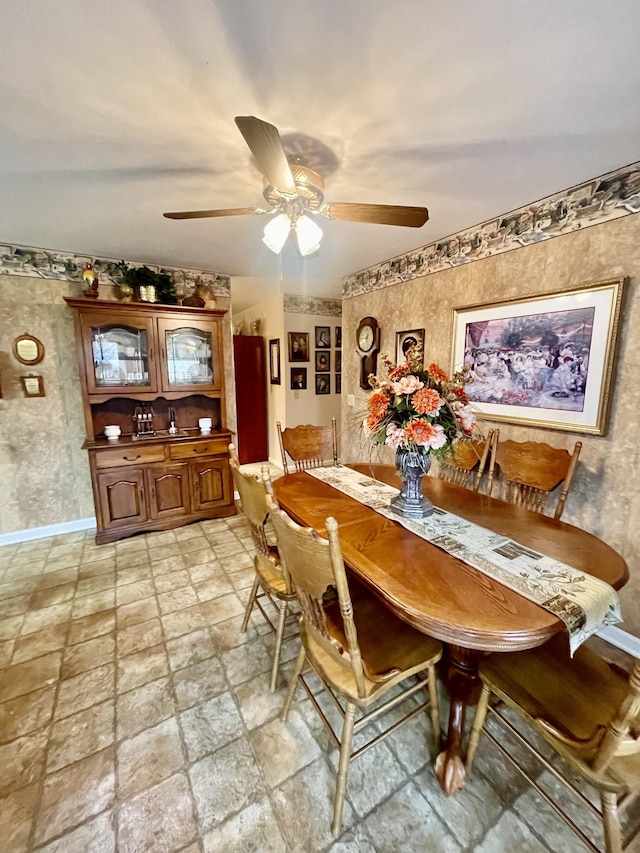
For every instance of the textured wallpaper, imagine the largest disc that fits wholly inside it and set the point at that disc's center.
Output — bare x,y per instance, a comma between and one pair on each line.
605,498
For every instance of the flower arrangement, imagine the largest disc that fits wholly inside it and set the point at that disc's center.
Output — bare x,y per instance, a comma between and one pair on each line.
421,410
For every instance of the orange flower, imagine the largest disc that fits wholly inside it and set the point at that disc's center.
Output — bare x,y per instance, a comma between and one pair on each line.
378,403
373,420
421,432
426,401
437,373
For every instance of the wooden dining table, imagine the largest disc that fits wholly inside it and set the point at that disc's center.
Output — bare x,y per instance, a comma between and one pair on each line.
439,594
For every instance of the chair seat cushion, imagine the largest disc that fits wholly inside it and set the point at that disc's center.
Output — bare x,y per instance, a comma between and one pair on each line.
391,649
577,696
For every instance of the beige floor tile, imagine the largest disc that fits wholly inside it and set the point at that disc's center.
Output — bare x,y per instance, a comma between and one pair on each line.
214,587
82,656
90,586
171,580
222,608
81,735
15,606
17,812
98,601
22,761
39,643
75,793
51,595
138,637
183,622
197,683
165,559
143,707
131,559
30,675
84,690
36,620
211,725
141,667
177,599
129,592
95,836
189,649
6,651
91,626
26,713
160,819
254,830
10,628
134,574
136,612
197,556
238,779
148,758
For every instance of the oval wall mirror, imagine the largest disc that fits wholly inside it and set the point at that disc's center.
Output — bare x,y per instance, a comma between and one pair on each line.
28,349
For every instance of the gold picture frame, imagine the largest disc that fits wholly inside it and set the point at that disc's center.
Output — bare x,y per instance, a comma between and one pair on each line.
32,386
544,361
28,349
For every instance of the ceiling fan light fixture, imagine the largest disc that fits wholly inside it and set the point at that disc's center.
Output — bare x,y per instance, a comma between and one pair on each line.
276,232
308,234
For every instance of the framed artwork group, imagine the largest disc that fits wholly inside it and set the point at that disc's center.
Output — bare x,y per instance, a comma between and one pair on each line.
299,352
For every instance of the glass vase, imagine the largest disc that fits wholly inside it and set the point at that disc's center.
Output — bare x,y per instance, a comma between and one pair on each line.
412,467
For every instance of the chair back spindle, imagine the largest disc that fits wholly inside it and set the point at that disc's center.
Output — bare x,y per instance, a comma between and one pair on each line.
531,470
308,446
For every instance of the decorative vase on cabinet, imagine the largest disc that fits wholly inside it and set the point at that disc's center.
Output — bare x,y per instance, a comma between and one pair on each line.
170,361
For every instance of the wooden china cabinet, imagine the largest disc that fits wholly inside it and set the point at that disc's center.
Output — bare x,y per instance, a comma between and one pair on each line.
140,364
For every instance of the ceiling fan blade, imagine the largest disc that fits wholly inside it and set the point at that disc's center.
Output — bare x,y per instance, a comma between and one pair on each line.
266,146
380,214
203,214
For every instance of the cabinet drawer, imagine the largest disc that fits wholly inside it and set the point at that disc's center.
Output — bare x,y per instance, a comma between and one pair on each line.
131,455
193,449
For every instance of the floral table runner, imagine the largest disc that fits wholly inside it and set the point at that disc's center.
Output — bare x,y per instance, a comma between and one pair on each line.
584,603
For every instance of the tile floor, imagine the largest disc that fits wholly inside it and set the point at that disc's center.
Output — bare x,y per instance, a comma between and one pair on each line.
134,716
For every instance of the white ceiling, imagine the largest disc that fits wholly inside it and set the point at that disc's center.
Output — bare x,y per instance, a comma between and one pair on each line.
113,112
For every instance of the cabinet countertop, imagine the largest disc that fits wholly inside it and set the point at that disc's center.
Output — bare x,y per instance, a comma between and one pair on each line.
161,436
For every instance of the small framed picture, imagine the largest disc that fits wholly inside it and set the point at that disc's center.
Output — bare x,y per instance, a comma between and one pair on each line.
274,361
338,361
323,362
338,337
298,346
32,386
406,340
338,383
298,378
323,383
323,337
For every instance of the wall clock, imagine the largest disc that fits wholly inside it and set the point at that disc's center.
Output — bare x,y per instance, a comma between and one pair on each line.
368,342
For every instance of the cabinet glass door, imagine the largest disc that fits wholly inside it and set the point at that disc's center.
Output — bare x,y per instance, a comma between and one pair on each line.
118,354
189,356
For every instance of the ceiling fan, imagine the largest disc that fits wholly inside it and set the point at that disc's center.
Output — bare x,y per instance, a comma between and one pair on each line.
293,191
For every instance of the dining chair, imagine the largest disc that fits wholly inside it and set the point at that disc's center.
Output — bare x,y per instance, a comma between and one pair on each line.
308,446
466,463
271,579
586,709
531,470
357,647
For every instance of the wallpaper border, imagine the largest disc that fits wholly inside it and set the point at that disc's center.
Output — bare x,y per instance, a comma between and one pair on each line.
16,259
610,196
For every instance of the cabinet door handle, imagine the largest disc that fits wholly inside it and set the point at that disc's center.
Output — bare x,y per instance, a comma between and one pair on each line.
201,450
132,458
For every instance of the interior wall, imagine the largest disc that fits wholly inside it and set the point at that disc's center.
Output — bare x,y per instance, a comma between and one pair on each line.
43,470
604,499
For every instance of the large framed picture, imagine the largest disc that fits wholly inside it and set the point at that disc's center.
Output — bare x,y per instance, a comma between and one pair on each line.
274,361
543,361
406,340
298,346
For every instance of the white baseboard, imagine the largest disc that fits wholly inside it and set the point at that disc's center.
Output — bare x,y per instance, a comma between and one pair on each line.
49,530
623,640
